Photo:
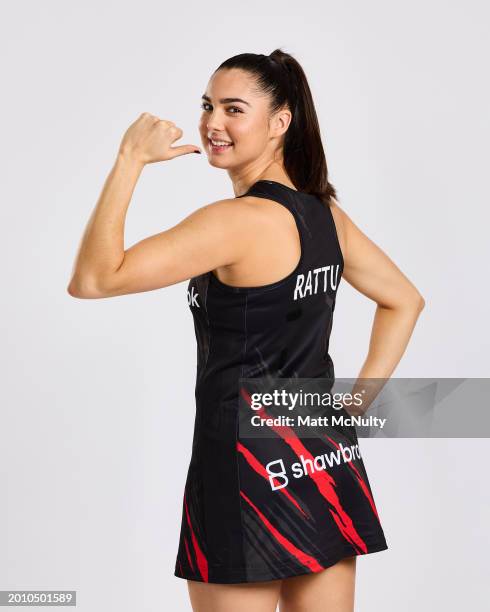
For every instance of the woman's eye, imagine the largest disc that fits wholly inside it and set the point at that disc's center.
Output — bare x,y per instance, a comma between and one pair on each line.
205,105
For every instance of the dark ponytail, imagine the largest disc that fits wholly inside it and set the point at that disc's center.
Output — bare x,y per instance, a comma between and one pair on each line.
281,77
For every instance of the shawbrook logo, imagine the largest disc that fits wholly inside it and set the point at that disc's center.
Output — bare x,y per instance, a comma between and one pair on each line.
192,296
276,469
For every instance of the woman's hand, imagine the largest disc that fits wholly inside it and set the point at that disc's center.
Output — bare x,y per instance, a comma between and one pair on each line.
148,140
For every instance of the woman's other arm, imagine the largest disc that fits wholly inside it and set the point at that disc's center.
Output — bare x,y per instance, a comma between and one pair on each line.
369,270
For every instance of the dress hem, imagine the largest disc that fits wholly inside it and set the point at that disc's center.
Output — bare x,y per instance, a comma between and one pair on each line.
288,570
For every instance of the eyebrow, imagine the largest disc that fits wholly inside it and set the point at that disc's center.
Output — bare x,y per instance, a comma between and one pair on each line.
226,100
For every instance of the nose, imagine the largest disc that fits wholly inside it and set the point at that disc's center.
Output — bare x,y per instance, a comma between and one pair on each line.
214,121
214,127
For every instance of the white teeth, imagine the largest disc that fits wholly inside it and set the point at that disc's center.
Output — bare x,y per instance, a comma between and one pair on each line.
220,143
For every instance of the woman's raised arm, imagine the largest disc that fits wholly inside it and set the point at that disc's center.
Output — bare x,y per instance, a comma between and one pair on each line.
211,236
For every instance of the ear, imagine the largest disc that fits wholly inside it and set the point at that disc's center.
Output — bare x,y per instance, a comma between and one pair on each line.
280,122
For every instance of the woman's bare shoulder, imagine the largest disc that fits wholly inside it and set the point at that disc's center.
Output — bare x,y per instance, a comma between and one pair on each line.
341,220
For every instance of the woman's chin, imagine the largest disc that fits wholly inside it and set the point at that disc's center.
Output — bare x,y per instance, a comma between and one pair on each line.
216,162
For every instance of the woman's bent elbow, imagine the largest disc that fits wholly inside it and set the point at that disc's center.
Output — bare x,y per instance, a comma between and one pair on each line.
410,303
82,290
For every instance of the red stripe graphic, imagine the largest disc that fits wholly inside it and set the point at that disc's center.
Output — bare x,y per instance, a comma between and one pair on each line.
188,554
310,562
260,469
324,482
362,484
202,562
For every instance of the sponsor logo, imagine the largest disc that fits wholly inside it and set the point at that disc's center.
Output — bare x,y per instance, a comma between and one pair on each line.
277,471
192,296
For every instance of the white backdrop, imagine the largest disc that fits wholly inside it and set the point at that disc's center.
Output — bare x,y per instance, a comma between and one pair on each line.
98,395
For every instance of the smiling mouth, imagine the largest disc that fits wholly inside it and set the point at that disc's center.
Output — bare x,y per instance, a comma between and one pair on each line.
220,145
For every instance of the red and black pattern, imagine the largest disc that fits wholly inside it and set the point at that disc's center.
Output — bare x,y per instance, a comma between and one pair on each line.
235,527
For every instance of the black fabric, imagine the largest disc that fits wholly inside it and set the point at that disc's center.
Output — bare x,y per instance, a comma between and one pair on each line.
235,527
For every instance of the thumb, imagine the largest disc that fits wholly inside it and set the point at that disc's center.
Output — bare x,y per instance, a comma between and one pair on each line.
183,150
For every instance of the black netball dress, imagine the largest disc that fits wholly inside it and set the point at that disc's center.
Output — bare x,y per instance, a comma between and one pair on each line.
236,527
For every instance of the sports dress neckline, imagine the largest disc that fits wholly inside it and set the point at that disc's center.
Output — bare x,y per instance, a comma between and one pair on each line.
271,182
297,202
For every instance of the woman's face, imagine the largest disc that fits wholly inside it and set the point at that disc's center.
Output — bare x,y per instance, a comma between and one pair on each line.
235,114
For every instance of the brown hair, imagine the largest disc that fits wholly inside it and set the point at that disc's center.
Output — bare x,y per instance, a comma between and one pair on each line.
281,77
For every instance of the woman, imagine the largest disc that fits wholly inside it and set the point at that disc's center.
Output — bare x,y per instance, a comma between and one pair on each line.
264,269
